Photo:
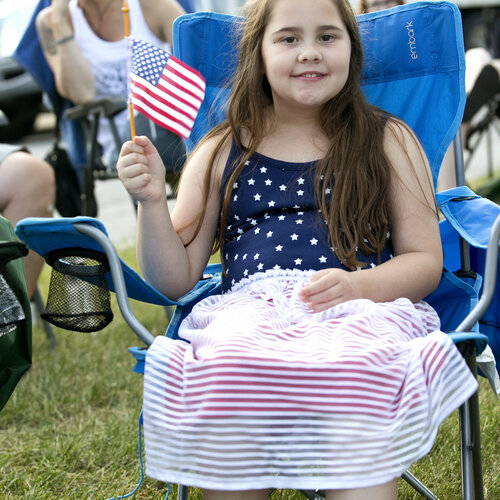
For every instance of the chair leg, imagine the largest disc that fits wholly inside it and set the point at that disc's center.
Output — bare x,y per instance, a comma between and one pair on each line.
313,495
418,486
38,301
470,439
182,492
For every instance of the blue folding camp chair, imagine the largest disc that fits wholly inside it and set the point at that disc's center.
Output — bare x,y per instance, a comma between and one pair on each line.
414,63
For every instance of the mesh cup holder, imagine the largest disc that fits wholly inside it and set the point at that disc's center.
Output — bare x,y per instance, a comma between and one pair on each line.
79,299
11,311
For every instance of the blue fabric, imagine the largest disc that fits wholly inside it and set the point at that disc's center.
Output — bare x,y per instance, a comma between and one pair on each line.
471,217
30,56
188,5
392,79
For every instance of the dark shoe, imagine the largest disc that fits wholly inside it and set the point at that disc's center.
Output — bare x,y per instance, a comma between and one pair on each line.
486,87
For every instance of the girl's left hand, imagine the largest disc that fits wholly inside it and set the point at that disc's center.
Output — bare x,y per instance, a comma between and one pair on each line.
329,287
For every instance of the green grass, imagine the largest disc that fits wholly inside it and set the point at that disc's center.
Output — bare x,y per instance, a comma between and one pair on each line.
69,430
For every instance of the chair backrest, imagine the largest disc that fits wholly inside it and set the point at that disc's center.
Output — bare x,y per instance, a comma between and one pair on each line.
414,67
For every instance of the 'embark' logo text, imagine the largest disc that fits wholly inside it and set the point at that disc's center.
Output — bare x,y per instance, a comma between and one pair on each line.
411,40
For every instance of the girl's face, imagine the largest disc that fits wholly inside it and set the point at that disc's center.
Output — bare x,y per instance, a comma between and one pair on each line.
306,52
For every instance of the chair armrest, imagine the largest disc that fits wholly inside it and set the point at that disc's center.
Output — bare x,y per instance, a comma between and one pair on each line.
490,274
107,106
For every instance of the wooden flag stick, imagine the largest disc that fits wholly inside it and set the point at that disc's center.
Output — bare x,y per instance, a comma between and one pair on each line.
126,24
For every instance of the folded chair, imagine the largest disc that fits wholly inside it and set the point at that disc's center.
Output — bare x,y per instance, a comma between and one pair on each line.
83,257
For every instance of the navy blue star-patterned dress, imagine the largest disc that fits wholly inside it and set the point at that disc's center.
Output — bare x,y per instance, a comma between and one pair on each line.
262,392
274,222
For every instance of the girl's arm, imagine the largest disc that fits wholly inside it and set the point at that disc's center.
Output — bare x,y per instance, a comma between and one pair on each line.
166,259
73,76
415,270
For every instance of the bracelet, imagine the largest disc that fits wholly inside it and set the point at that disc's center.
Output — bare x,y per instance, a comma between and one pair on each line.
65,39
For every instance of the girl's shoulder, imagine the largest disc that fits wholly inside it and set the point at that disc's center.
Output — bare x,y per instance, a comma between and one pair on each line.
211,153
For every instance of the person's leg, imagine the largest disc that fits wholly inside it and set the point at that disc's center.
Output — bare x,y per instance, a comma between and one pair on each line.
235,495
27,189
387,491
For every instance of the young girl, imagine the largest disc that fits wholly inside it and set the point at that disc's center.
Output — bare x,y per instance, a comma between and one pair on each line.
319,366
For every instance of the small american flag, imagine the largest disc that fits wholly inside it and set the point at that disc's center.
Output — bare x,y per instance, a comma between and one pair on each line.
164,89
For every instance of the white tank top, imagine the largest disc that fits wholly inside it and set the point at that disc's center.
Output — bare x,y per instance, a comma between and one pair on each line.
108,61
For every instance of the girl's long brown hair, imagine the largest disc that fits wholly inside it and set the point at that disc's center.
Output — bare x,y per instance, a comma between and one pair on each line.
355,168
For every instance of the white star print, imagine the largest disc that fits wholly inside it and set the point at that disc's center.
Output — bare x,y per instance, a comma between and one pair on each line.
235,185
322,259
244,257
269,234
301,180
314,241
251,182
300,192
276,267
235,197
282,187
294,237
298,262
236,257
328,191
253,222
281,217
257,197
263,170
299,221
272,203
260,266
257,230
268,182
279,248
256,256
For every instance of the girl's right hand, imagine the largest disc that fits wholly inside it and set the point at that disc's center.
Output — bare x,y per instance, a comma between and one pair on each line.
141,170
